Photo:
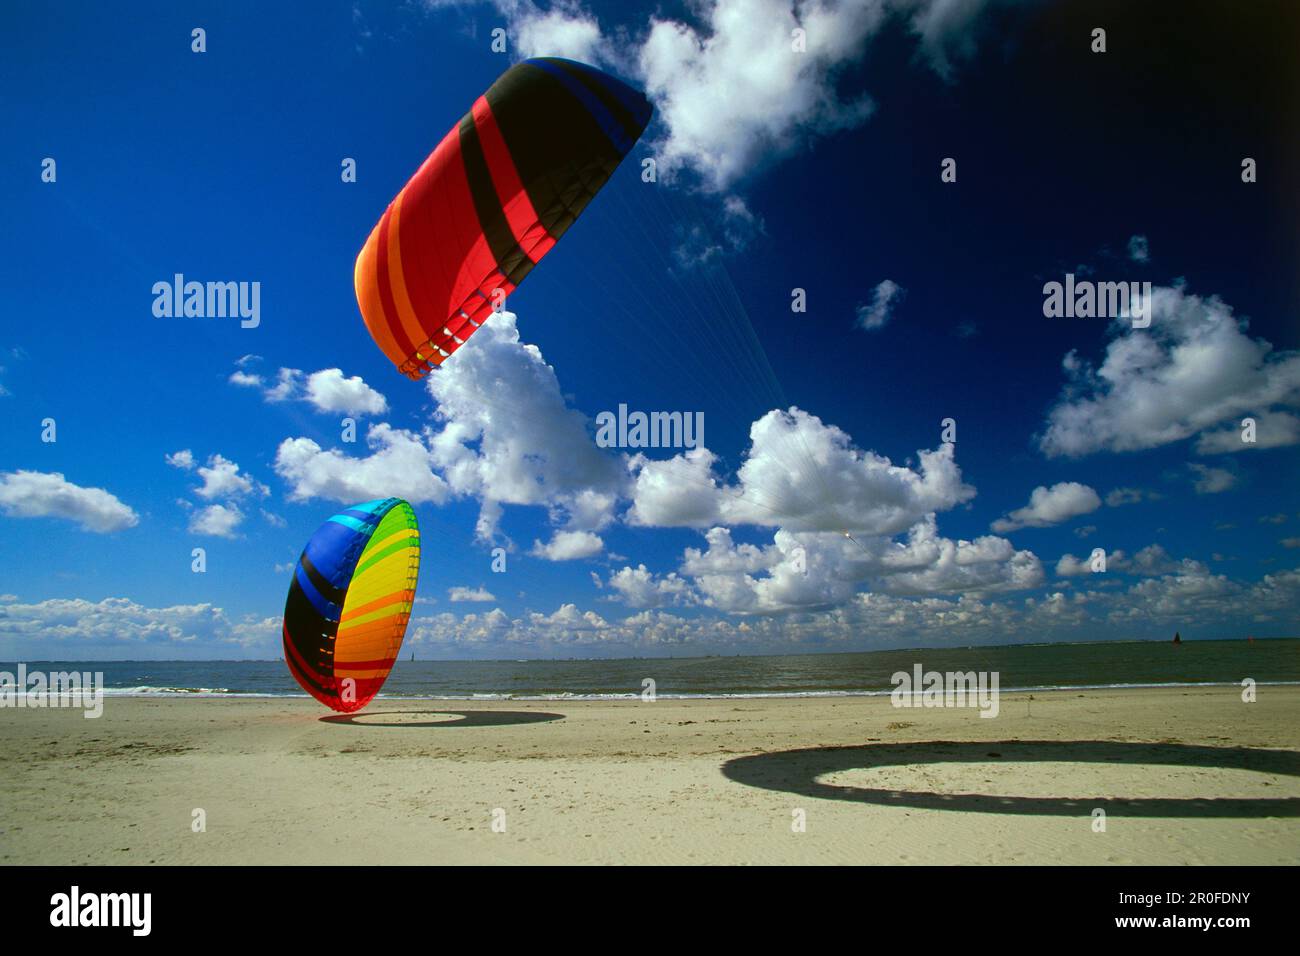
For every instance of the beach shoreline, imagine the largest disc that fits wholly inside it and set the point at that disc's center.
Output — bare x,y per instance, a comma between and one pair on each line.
1182,775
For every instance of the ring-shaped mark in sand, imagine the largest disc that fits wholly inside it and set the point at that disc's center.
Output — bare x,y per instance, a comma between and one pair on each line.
800,772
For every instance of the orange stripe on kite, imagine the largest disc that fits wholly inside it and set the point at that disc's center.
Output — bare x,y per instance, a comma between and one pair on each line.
385,284
366,280
425,276
406,316
377,603
375,677
372,632
385,663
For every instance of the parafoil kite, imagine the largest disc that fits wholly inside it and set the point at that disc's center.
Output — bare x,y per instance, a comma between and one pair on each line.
489,202
350,600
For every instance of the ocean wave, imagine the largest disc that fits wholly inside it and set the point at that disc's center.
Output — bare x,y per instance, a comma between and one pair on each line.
150,691
146,690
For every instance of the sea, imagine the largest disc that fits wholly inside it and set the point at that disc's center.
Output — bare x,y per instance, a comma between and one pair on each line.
1025,667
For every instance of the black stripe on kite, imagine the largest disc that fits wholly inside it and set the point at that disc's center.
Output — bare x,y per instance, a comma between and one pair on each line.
491,217
631,128
328,591
307,678
311,635
552,139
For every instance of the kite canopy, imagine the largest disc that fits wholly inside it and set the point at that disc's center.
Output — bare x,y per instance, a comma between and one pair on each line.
489,202
350,600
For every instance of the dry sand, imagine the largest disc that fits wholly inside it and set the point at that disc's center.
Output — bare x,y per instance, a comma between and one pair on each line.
1184,776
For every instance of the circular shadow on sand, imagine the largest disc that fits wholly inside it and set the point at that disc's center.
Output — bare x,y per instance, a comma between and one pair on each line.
443,718
798,772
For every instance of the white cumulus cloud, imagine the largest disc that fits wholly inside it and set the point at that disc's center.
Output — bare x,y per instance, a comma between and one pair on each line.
1049,506
123,629
1271,430
733,92
509,436
217,520
569,546
638,587
800,474
222,480
1195,369
564,30
37,494
328,391
400,464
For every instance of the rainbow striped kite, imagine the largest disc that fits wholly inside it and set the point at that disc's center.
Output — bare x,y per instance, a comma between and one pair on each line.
350,601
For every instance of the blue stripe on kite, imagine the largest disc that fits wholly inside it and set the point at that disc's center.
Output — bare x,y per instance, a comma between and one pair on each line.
325,608
357,525
370,513
608,125
636,104
330,549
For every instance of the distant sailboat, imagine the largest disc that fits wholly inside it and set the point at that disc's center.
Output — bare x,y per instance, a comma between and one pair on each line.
1177,638
412,656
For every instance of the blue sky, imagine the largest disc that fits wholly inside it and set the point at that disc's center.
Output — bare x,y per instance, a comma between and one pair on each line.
817,171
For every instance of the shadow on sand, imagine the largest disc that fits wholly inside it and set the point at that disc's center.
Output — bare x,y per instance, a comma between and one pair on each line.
798,772
464,718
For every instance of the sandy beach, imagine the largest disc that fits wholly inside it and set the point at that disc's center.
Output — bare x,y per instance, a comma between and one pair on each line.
1184,776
